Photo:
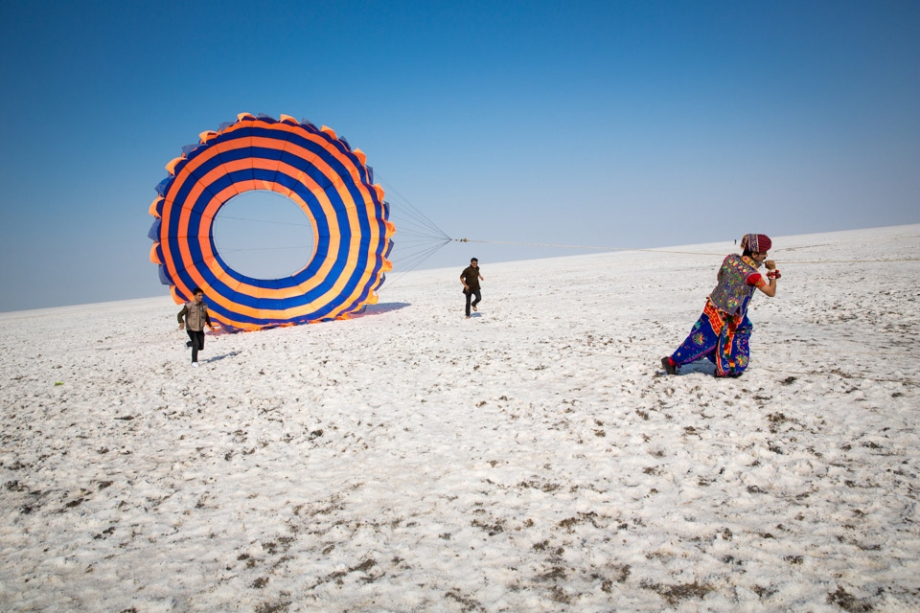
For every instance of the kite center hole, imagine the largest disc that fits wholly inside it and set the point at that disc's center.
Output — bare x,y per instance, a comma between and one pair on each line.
263,235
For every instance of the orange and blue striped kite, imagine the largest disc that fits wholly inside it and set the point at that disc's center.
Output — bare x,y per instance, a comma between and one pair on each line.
313,167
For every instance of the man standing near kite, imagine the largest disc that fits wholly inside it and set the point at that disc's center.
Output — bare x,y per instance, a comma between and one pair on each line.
470,278
193,317
722,332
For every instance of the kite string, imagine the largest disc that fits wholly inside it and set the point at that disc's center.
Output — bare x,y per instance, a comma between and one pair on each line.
304,247
425,238
671,251
416,258
413,211
593,247
279,223
422,230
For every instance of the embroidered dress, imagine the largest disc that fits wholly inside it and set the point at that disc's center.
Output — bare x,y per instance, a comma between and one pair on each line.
723,331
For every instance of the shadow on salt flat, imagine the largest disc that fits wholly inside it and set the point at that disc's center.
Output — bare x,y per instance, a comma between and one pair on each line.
374,309
378,309
221,357
701,366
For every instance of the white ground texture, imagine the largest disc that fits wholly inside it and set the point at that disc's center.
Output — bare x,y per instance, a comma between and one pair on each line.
532,458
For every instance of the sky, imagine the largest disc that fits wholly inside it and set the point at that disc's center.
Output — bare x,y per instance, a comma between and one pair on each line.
618,124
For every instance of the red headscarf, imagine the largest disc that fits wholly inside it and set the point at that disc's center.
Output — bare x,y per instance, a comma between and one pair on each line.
757,243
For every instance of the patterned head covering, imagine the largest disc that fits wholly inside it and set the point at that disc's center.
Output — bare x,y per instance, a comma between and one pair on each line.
757,243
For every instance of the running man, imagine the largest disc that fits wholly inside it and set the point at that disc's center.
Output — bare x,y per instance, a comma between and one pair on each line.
470,278
193,317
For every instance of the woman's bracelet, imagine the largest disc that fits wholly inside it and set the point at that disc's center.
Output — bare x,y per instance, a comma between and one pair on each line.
774,274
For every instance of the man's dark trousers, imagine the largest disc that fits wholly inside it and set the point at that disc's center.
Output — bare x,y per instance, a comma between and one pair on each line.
196,342
469,296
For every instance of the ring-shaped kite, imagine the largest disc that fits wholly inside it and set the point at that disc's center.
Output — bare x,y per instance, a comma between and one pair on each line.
318,171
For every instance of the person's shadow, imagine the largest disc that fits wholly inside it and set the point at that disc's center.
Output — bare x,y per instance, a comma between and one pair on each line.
700,366
381,308
223,356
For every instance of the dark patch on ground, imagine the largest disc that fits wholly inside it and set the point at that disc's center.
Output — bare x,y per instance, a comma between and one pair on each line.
268,607
259,583
589,517
675,593
492,529
468,604
848,602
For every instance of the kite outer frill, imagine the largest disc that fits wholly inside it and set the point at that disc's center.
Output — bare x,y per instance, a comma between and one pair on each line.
319,172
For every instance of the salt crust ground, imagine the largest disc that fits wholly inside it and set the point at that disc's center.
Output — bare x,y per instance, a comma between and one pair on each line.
534,458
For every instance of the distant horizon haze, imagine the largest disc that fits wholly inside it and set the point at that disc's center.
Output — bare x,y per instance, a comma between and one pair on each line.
454,265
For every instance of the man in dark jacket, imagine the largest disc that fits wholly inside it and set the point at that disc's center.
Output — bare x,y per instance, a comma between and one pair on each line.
193,317
470,278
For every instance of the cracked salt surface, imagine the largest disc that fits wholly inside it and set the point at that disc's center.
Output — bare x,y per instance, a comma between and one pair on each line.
531,459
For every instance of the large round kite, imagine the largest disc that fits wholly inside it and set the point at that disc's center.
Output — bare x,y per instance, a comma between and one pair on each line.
313,167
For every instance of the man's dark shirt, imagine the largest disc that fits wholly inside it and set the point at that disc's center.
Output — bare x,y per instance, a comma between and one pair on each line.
470,275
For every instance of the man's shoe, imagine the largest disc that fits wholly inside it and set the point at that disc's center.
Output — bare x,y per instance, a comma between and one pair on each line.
194,364
668,367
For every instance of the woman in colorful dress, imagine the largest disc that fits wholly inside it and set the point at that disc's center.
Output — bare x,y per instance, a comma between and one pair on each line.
722,332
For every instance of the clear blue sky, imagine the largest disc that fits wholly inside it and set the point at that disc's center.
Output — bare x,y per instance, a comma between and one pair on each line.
628,124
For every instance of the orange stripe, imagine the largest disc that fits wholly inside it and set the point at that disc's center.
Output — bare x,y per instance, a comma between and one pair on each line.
171,166
153,206
175,296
